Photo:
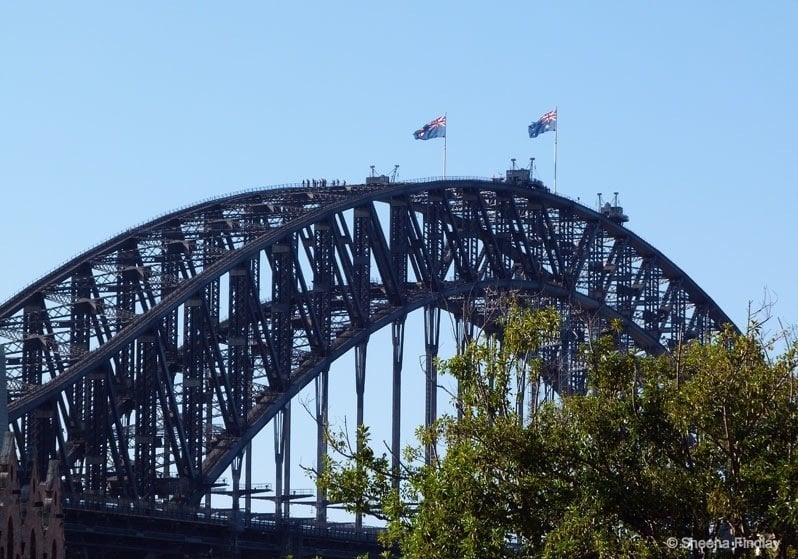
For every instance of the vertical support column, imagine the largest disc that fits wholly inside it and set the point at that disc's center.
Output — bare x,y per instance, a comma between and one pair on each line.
322,424
35,424
97,431
469,235
432,332
282,462
174,249
323,282
80,344
534,223
128,279
213,245
208,441
248,482
287,462
239,359
399,250
89,416
520,397
399,246
678,312
596,260
651,296
129,275
360,379
212,299
235,520
239,364
283,283
503,231
622,276
360,385
235,467
147,441
563,370
398,339
433,233
361,269
464,329
279,450
283,287
194,383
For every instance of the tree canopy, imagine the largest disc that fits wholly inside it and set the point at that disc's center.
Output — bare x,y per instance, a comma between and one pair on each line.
663,456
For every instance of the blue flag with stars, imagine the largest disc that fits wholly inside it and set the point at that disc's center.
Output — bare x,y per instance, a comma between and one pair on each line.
543,124
435,129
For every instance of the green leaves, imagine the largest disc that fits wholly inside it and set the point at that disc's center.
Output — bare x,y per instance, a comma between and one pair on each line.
660,447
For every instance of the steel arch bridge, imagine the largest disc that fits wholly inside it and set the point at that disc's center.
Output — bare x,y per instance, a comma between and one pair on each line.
147,364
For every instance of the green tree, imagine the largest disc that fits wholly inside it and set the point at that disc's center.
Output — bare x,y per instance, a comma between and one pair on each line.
686,445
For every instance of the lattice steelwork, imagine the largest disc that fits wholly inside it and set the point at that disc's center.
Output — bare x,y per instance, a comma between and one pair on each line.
147,365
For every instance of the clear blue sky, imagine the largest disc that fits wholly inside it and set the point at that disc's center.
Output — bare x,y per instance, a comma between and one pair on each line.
112,113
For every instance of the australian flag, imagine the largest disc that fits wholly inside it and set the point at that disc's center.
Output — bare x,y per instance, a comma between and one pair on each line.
435,129
544,124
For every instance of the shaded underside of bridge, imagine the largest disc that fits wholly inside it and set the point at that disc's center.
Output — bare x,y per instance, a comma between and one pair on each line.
100,530
146,365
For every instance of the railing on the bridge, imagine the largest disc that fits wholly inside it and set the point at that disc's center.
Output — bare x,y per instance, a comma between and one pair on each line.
253,521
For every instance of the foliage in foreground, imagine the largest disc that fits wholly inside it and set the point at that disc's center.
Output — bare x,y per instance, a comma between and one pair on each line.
696,444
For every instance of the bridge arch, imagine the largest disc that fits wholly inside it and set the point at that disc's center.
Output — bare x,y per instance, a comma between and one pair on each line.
148,363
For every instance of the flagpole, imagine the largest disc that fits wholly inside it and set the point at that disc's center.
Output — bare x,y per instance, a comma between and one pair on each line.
444,148
556,127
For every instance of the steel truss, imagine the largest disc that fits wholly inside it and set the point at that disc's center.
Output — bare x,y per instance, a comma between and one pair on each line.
148,364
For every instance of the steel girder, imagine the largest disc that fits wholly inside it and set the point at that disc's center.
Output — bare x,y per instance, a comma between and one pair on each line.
147,364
